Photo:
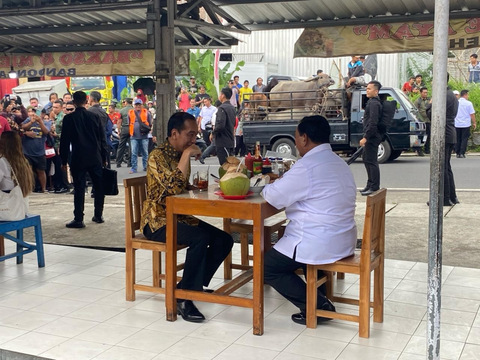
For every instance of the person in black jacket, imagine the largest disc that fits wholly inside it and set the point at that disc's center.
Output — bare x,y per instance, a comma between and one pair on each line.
371,137
107,124
223,131
84,131
449,192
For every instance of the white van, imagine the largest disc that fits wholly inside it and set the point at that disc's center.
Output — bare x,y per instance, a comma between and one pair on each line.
40,90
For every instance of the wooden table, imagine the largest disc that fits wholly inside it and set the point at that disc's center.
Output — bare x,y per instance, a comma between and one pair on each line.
208,204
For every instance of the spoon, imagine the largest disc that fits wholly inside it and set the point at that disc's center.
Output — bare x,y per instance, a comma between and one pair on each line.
257,182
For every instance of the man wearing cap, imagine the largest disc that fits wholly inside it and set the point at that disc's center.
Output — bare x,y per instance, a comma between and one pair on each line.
140,124
457,94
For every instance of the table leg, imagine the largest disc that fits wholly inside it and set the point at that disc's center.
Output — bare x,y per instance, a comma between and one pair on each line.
170,265
258,252
2,246
227,264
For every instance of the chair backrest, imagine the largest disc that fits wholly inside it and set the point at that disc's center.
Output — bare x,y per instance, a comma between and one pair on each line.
135,195
374,228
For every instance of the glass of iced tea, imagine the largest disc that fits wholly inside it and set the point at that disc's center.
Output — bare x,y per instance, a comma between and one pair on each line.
200,180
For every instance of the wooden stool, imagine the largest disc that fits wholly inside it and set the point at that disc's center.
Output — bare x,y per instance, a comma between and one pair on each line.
23,248
245,227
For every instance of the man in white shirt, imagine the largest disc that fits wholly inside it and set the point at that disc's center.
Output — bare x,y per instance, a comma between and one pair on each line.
464,119
205,119
318,194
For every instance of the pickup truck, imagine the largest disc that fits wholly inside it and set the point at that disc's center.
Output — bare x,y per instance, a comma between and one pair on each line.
405,131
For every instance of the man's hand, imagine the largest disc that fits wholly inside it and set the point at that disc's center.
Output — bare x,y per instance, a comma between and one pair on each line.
30,134
210,137
193,151
363,142
474,125
64,167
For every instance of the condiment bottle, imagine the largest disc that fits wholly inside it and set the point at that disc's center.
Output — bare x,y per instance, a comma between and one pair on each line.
257,160
280,166
266,166
249,162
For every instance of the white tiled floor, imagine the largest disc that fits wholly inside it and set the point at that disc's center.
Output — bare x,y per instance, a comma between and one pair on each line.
75,308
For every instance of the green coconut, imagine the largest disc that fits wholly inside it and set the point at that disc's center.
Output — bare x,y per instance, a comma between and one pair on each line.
235,184
230,166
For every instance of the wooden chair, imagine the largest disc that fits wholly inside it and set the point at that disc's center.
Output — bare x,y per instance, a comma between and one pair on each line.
135,195
245,227
370,258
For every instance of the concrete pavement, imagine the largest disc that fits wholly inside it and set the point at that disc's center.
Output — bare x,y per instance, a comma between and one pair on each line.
406,225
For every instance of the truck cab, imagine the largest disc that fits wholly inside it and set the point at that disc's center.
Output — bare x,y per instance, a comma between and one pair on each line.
102,84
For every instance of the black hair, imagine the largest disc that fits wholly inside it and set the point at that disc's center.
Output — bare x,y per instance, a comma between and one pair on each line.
58,102
419,75
316,127
227,92
218,103
96,96
67,93
246,81
448,77
376,84
79,98
177,121
236,76
411,77
319,71
463,93
475,56
113,105
128,100
423,88
33,98
50,96
69,102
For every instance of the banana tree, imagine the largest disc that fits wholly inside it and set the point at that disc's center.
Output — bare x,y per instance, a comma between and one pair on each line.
202,67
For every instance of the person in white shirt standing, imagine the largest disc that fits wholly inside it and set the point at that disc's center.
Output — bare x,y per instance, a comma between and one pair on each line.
463,121
318,194
204,120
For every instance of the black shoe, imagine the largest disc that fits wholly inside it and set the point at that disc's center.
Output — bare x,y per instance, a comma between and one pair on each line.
98,220
210,291
365,188
301,317
202,161
462,156
119,166
455,201
458,156
74,224
420,153
368,192
61,191
72,192
189,311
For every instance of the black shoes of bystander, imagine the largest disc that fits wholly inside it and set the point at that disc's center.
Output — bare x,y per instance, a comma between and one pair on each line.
74,224
189,311
98,220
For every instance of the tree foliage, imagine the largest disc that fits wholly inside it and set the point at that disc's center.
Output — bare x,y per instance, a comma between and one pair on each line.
202,67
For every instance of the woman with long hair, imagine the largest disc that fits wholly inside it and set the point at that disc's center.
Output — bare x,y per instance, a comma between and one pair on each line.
11,158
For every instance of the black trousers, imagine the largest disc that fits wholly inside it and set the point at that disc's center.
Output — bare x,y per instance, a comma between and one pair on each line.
223,153
462,139
122,147
427,143
60,180
370,160
207,245
206,136
279,273
240,146
449,182
79,183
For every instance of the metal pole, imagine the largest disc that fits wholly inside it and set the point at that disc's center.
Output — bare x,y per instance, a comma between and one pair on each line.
437,170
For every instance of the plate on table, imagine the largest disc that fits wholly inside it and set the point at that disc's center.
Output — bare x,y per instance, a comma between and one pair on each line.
233,197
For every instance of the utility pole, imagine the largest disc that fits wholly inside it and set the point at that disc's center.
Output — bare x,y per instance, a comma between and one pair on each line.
437,170
164,45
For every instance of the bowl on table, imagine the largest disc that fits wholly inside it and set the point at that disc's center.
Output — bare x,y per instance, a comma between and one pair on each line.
257,189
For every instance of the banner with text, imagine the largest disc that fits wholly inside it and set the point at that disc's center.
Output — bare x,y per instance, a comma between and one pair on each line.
89,63
384,38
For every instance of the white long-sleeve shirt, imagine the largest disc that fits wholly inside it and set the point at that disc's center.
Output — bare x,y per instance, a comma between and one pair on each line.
318,194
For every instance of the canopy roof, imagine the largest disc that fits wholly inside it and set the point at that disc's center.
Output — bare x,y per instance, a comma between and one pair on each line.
38,26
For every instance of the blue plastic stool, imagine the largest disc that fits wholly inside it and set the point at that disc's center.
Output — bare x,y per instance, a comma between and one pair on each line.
22,247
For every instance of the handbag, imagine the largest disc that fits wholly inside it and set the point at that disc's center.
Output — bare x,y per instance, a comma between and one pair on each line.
144,128
13,206
109,180
49,152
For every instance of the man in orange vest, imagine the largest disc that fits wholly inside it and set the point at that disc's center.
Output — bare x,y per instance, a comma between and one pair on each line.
140,122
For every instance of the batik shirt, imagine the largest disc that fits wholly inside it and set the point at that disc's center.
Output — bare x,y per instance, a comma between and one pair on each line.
163,179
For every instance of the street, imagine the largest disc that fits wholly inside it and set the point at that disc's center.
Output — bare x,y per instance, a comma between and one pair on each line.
407,172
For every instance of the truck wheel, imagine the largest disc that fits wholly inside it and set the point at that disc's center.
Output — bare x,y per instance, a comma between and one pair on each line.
285,146
395,154
384,152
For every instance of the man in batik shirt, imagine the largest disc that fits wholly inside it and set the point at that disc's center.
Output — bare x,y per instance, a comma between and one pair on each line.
168,172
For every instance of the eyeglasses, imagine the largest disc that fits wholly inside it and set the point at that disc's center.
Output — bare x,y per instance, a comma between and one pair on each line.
70,109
